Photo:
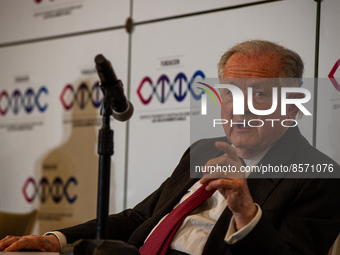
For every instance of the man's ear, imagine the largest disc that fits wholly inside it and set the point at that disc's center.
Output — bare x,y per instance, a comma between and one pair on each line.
292,109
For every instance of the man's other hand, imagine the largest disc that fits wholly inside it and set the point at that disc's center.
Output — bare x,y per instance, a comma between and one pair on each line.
49,243
233,186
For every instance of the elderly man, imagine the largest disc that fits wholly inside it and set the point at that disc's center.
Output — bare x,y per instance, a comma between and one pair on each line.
245,216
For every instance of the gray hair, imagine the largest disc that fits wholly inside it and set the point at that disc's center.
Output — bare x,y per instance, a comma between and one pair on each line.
291,63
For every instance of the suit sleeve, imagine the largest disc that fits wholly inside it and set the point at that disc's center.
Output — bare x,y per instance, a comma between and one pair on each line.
121,225
308,225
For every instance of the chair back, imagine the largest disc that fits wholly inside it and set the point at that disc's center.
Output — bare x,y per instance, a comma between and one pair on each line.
17,224
335,249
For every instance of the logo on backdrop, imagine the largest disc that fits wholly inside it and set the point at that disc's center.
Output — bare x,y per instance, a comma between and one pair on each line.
55,10
28,101
43,190
164,88
39,1
331,75
82,96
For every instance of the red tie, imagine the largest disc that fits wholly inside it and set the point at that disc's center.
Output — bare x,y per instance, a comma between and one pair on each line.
159,241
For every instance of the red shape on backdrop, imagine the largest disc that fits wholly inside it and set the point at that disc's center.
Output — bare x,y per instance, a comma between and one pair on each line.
331,75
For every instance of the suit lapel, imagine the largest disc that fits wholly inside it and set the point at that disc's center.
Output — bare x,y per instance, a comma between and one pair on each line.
280,153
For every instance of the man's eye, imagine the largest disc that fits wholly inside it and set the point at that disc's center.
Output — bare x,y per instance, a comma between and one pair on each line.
226,92
260,94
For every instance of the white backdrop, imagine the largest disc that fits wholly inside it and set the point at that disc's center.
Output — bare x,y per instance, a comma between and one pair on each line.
31,19
145,10
328,96
58,142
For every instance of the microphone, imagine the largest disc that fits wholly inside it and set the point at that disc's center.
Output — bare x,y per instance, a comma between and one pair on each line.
122,109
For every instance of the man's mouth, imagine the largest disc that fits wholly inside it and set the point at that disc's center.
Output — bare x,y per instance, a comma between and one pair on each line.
243,126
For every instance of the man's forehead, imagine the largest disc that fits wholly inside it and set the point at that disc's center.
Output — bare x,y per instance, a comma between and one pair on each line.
252,82
266,65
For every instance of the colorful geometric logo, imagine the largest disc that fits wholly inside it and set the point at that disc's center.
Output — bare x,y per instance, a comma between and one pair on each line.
82,96
331,75
44,189
27,100
161,90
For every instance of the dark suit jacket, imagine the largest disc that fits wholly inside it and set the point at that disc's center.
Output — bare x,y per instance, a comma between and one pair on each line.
300,216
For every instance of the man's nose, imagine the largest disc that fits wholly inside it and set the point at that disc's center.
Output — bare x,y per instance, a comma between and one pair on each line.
246,108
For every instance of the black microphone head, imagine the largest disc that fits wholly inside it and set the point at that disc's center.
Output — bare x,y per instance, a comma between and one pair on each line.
104,69
122,109
99,59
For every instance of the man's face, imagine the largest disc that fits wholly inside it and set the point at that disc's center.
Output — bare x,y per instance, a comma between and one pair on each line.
252,140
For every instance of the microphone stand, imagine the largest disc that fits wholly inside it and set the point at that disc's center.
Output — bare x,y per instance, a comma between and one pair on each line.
105,151
102,246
